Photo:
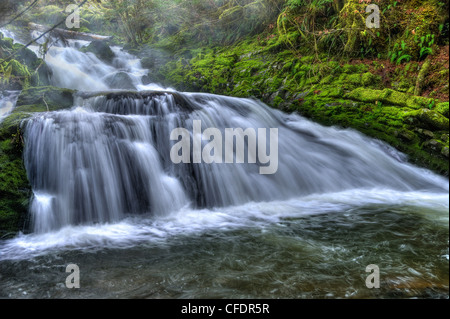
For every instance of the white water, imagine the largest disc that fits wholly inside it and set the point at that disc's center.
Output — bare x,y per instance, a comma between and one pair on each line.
8,101
102,176
97,166
134,231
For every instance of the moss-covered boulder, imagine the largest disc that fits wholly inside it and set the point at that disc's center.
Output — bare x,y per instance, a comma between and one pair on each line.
43,76
442,108
101,50
26,68
26,56
432,120
46,98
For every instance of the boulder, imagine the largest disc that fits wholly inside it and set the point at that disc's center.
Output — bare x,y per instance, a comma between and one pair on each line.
26,56
432,120
101,50
43,76
120,80
40,99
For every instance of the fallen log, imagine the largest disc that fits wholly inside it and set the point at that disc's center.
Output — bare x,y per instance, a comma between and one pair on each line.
69,34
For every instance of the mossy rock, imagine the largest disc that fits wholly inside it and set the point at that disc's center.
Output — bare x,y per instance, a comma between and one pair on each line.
444,151
354,79
432,120
5,43
11,124
390,97
442,108
26,56
46,98
19,69
368,79
101,50
43,76
406,135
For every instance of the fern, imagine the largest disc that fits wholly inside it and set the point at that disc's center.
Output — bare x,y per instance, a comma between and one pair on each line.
406,57
403,45
425,51
6,74
393,56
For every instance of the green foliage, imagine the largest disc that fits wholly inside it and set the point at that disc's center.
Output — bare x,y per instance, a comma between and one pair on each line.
14,186
5,72
172,23
398,54
425,44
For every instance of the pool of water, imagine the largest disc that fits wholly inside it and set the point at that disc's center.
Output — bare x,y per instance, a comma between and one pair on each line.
314,247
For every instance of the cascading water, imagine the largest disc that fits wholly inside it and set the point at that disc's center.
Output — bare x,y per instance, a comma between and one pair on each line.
8,100
102,177
111,157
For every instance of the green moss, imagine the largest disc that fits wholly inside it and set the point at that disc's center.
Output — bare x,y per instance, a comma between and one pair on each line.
433,120
327,80
18,69
277,101
6,43
46,98
369,79
347,68
389,96
442,108
313,80
354,79
14,187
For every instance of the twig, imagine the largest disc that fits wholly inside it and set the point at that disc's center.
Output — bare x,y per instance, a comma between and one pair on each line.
43,99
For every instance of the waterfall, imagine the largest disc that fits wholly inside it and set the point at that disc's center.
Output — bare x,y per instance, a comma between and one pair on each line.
109,156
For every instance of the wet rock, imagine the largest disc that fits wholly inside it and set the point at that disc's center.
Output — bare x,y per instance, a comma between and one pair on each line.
405,135
146,79
26,56
432,145
428,133
101,50
42,77
39,99
120,80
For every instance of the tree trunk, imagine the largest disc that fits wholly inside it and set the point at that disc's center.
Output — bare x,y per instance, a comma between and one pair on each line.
69,34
